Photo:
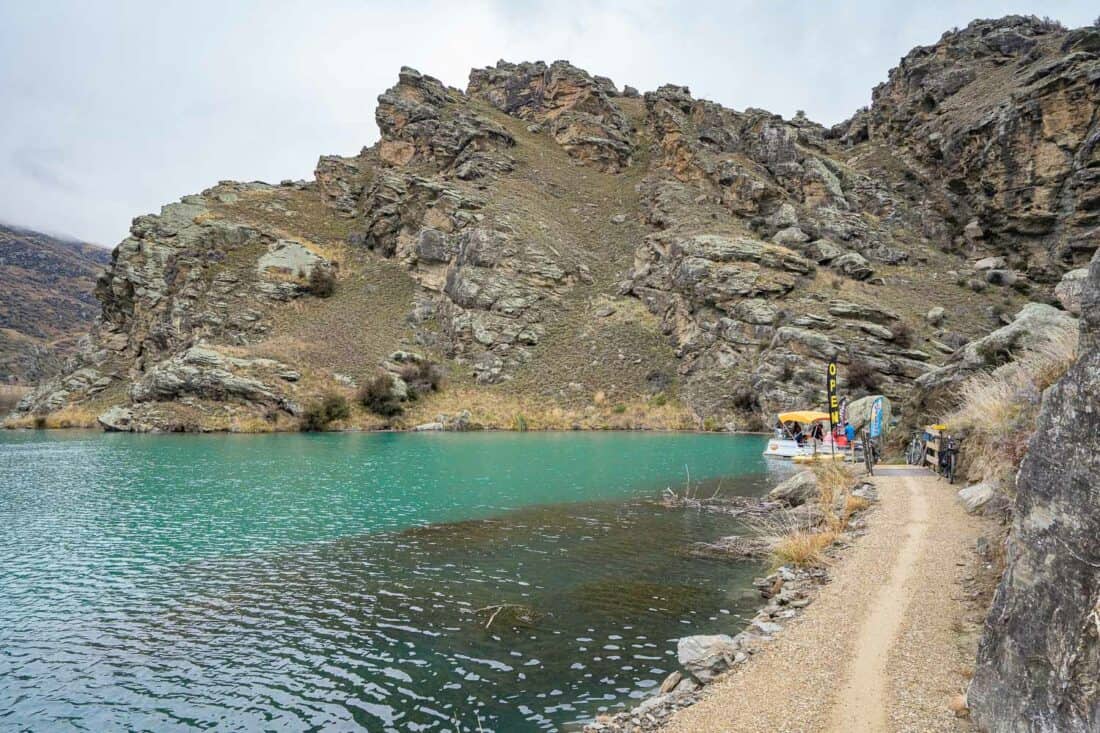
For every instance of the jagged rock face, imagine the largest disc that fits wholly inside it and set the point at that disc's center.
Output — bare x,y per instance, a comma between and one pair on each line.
182,276
421,122
1039,658
168,283
1035,325
750,336
1003,113
574,106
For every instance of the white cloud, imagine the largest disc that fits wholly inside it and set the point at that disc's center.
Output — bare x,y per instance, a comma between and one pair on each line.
111,109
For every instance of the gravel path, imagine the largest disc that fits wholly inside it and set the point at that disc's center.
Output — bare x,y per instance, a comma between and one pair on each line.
883,647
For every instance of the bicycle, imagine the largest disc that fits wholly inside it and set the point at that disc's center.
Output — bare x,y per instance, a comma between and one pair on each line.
949,458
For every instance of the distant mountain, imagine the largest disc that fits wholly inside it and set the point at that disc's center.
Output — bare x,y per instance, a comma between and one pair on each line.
47,300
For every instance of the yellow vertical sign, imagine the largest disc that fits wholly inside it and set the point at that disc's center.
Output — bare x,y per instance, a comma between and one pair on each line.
834,402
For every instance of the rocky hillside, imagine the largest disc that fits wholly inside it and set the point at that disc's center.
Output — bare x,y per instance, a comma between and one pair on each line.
46,301
574,254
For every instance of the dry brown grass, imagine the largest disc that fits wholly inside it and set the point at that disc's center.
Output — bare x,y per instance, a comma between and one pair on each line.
997,410
794,543
833,483
501,409
10,394
804,547
854,504
73,416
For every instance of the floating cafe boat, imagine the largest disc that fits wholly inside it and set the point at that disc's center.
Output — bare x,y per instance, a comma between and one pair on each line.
792,439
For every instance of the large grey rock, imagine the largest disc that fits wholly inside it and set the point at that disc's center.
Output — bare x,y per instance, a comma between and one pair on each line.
790,237
823,251
1038,666
208,374
797,490
854,265
859,412
976,496
290,257
990,263
706,656
1068,290
117,420
858,311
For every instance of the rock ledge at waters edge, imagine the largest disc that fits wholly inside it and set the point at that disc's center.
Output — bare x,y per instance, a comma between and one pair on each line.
706,658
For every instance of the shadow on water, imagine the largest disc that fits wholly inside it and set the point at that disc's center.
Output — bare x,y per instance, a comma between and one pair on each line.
592,598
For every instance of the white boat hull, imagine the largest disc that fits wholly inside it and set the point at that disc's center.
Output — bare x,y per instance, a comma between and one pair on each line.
786,449
790,449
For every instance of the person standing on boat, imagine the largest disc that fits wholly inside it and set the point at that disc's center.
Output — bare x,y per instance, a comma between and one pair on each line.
817,433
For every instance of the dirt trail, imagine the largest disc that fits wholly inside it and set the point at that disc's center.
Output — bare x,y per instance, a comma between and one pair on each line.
881,648
863,703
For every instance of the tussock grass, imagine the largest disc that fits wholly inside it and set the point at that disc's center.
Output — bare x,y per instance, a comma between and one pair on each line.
73,416
833,484
804,547
793,541
997,410
854,504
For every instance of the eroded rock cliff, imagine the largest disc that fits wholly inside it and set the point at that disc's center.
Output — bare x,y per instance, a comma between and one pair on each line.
1039,659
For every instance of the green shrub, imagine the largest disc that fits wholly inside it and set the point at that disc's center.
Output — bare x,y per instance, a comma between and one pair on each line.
711,424
324,411
422,377
903,335
619,409
376,395
322,281
863,377
519,424
660,400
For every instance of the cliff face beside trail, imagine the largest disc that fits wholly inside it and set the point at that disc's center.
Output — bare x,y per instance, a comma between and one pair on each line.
1039,659
46,301
588,256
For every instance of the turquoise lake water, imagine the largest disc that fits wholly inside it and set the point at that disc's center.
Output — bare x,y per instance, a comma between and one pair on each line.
302,582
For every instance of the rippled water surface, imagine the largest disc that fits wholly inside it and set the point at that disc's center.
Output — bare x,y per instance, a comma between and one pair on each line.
298,582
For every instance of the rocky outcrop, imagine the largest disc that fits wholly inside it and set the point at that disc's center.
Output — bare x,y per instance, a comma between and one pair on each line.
573,106
1069,290
423,123
207,374
997,122
181,277
1035,325
1039,659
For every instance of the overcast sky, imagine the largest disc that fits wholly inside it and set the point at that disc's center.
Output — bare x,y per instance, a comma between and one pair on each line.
110,109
